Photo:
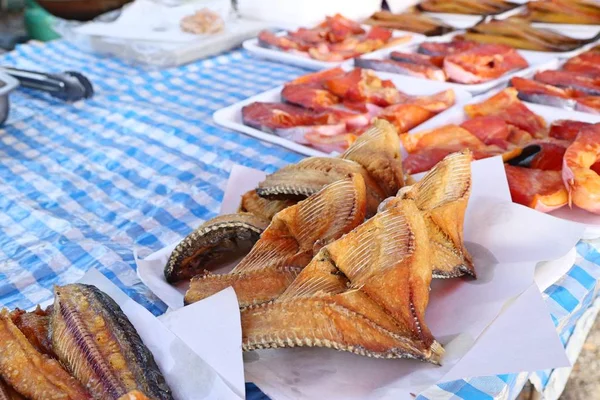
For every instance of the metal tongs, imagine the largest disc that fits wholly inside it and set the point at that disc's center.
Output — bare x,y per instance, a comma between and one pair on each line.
69,86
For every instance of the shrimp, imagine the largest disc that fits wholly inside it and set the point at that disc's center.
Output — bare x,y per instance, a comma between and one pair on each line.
582,182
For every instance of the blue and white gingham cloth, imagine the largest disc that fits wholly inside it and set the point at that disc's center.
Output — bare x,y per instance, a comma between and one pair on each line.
142,164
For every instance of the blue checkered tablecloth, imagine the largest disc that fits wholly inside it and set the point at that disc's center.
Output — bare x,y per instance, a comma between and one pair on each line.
142,164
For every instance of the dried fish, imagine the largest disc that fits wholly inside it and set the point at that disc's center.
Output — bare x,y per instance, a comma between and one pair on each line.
443,196
412,22
94,339
289,243
402,68
365,293
219,238
471,7
564,11
258,206
34,326
32,374
307,177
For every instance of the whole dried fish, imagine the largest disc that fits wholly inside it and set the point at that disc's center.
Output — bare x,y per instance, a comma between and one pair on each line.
94,339
307,177
365,293
32,374
412,22
222,237
442,196
564,11
289,243
471,7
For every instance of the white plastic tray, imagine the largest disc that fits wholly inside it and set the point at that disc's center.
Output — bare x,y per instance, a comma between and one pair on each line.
456,115
535,60
231,117
306,62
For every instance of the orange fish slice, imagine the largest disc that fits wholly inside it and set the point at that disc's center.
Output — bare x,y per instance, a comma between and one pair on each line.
535,188
288,244
442,195
451,137
365,293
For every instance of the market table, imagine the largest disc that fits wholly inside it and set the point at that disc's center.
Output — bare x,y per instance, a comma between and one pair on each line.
142,164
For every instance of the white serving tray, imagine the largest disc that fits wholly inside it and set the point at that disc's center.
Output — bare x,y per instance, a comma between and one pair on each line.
231,117
306,62
534,58
456,115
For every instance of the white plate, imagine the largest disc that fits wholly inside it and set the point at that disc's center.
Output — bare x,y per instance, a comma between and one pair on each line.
231,117
306,62
534,58
457,116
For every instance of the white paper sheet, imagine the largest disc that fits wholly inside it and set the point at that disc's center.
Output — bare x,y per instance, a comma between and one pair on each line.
188,375
213,320
506,241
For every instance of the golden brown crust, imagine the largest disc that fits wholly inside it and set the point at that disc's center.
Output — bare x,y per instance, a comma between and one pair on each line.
32,374
443,196
378,151
289,243
253,204
34,326
365,293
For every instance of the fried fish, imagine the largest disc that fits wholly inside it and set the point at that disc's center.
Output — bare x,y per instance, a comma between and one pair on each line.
294,236
442,196
96,342
31,373
365,293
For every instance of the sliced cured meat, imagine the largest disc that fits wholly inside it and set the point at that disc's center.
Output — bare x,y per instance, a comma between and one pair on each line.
541,190
404,117
308,36
571,80
379,33
482,63
566,129
587,63
402,68
340,27
308,96
416,58
270,40
442,49
550,158
489,129
330,144
271,116
518,136
451,137
589,104
435,103
361,85
318,77
541,93
507,106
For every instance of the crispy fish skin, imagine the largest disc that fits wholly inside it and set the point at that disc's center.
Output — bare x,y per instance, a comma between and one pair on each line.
32,374
134,395
34,326
443,196
212,240
310,175
253,204
289,243
365,293
94,339
378,151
